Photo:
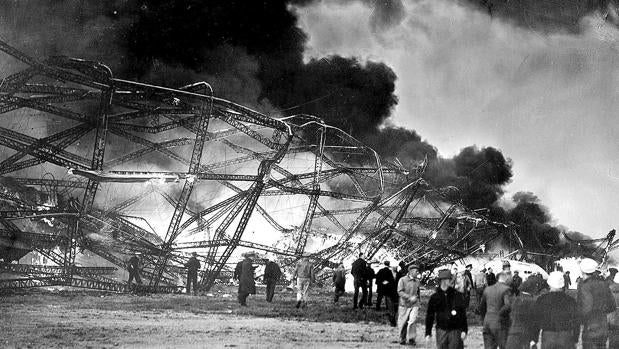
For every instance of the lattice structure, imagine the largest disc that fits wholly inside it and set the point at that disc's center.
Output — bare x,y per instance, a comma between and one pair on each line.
93,165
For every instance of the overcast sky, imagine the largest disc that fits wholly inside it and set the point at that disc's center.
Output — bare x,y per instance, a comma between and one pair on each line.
548,101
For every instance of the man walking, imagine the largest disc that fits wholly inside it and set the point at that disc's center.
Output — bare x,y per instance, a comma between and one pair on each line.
192,265
272,273
494,310
358,271
304,273
408,306
556,315
247,285
133,267
594,301
447,306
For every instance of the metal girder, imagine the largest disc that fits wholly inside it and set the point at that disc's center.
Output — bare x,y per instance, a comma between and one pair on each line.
194,165
51,269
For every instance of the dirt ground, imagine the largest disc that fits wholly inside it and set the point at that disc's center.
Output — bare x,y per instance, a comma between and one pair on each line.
40,318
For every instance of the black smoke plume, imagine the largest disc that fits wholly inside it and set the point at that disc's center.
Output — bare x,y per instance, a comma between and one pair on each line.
252,52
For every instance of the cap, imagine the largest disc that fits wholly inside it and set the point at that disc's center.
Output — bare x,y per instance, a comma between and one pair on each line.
588,265
444,274
555,280
413,266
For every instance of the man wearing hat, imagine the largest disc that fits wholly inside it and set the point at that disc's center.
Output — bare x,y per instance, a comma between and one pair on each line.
594,301
192,265
494,310
408,306
247,285
556,316
133,267
447,306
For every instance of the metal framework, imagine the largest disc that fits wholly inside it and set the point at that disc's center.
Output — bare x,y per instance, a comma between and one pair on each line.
112,167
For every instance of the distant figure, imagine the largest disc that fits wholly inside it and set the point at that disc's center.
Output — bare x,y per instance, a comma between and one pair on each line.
613,318
247,284
516,282
408,307
339,281
480,283
133,267
237,270
402,272
447,307
387,288
304,273
611,275
463,285
494,310
358,271
594,301
507,267
471,288
369,278
556,315
192,265
522,329
567,280
272,273
490,277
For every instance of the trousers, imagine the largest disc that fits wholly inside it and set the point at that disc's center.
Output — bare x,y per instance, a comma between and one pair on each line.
303,285
407,318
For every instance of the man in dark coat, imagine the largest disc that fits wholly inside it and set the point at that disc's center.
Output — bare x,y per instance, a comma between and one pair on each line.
516,282
358,271
247,285
447,306
490,277
386,288
594,300
522,310
237,270
556,316
192,265
133,267
567,280
369,278
272,273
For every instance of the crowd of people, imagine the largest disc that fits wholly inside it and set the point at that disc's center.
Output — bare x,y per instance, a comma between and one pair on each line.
515,314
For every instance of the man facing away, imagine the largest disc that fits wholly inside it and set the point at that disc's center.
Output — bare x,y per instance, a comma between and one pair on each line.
304,273
494,310
479,283
556,315
387,288
133,267
516,282
408,306
594,301
339,282
272,273
247,284
358,271
447,306
567,280
369,277
192,265
490,277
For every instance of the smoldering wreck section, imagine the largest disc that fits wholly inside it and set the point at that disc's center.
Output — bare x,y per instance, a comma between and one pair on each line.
97,168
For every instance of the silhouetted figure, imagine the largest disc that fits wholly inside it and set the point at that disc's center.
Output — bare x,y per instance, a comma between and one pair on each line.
522,310
556,315
386,288
516,282
237,270
247,284
192,265
358,271
567,280
369,278
133,267
272,273
339,281
490,277
594,301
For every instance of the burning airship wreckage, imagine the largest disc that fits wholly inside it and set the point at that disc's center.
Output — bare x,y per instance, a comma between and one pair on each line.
96,168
